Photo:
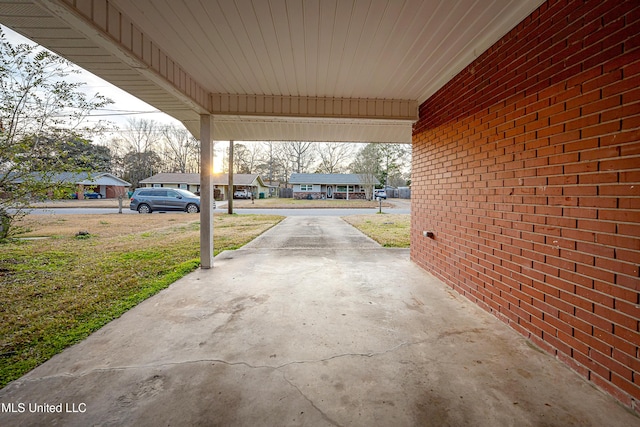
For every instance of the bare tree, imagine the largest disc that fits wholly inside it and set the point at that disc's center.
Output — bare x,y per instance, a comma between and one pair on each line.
180,149
282,159
141,135
118,151
269,165
333,156
141,140
300,155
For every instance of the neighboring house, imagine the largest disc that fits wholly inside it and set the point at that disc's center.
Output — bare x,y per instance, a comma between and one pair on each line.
186,181
347,186
108,186
241,181
191,182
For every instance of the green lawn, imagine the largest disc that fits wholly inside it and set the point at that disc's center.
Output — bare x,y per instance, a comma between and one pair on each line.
55,291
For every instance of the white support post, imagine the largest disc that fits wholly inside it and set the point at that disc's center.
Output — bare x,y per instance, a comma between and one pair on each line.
206,191
230,175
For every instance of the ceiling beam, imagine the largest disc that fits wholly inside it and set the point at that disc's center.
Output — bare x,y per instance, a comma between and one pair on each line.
301,106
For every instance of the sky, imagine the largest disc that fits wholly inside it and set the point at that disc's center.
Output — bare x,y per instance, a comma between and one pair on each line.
125,106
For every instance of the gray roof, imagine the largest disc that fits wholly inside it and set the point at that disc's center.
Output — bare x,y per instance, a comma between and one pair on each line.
84,178
104,179
331,178
194,179
173,178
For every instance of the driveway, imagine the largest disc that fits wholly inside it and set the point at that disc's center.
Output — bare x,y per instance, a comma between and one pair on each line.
310,324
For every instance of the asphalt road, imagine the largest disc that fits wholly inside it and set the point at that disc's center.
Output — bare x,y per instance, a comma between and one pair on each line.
401,207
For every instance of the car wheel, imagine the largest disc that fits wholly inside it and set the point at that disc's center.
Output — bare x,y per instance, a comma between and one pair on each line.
144,209
191,208
99,196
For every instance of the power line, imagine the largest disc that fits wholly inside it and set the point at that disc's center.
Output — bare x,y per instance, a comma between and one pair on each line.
124,113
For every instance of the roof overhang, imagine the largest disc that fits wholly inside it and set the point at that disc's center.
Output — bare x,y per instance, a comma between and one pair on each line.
342,70
104,179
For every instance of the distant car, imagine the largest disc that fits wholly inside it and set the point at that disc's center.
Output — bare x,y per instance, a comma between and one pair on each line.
242,194
88,195
147,200
379,194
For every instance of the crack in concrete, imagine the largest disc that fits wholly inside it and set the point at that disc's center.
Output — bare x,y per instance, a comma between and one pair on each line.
337,356
322,414
225,362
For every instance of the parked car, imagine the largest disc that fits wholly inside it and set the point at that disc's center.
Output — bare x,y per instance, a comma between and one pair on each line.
88,195
379,194
242,194
147,200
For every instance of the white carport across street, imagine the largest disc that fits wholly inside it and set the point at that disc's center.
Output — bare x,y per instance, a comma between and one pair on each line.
329,70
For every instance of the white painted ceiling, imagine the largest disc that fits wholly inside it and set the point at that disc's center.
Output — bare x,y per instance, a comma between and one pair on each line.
322,70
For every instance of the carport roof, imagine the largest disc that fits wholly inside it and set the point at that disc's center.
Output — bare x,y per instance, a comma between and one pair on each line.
330,70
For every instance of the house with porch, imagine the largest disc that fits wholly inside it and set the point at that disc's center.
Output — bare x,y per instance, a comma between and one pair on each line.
191,182
348,186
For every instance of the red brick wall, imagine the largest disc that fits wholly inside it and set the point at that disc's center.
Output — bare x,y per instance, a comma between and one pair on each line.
527,169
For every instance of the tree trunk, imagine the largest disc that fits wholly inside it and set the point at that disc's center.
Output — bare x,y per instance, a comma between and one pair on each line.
5,224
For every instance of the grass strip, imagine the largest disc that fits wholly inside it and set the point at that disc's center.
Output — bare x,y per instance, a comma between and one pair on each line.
390,230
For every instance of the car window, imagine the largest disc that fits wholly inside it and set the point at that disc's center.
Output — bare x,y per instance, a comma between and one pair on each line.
144,193
173,194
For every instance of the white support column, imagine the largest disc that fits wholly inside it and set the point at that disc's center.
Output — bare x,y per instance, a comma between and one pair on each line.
230,203
206,191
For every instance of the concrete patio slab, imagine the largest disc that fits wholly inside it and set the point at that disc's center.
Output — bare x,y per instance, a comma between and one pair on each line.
311,324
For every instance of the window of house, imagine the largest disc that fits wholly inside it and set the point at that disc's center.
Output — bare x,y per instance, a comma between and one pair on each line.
343,188
306,187
183,186
157,185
